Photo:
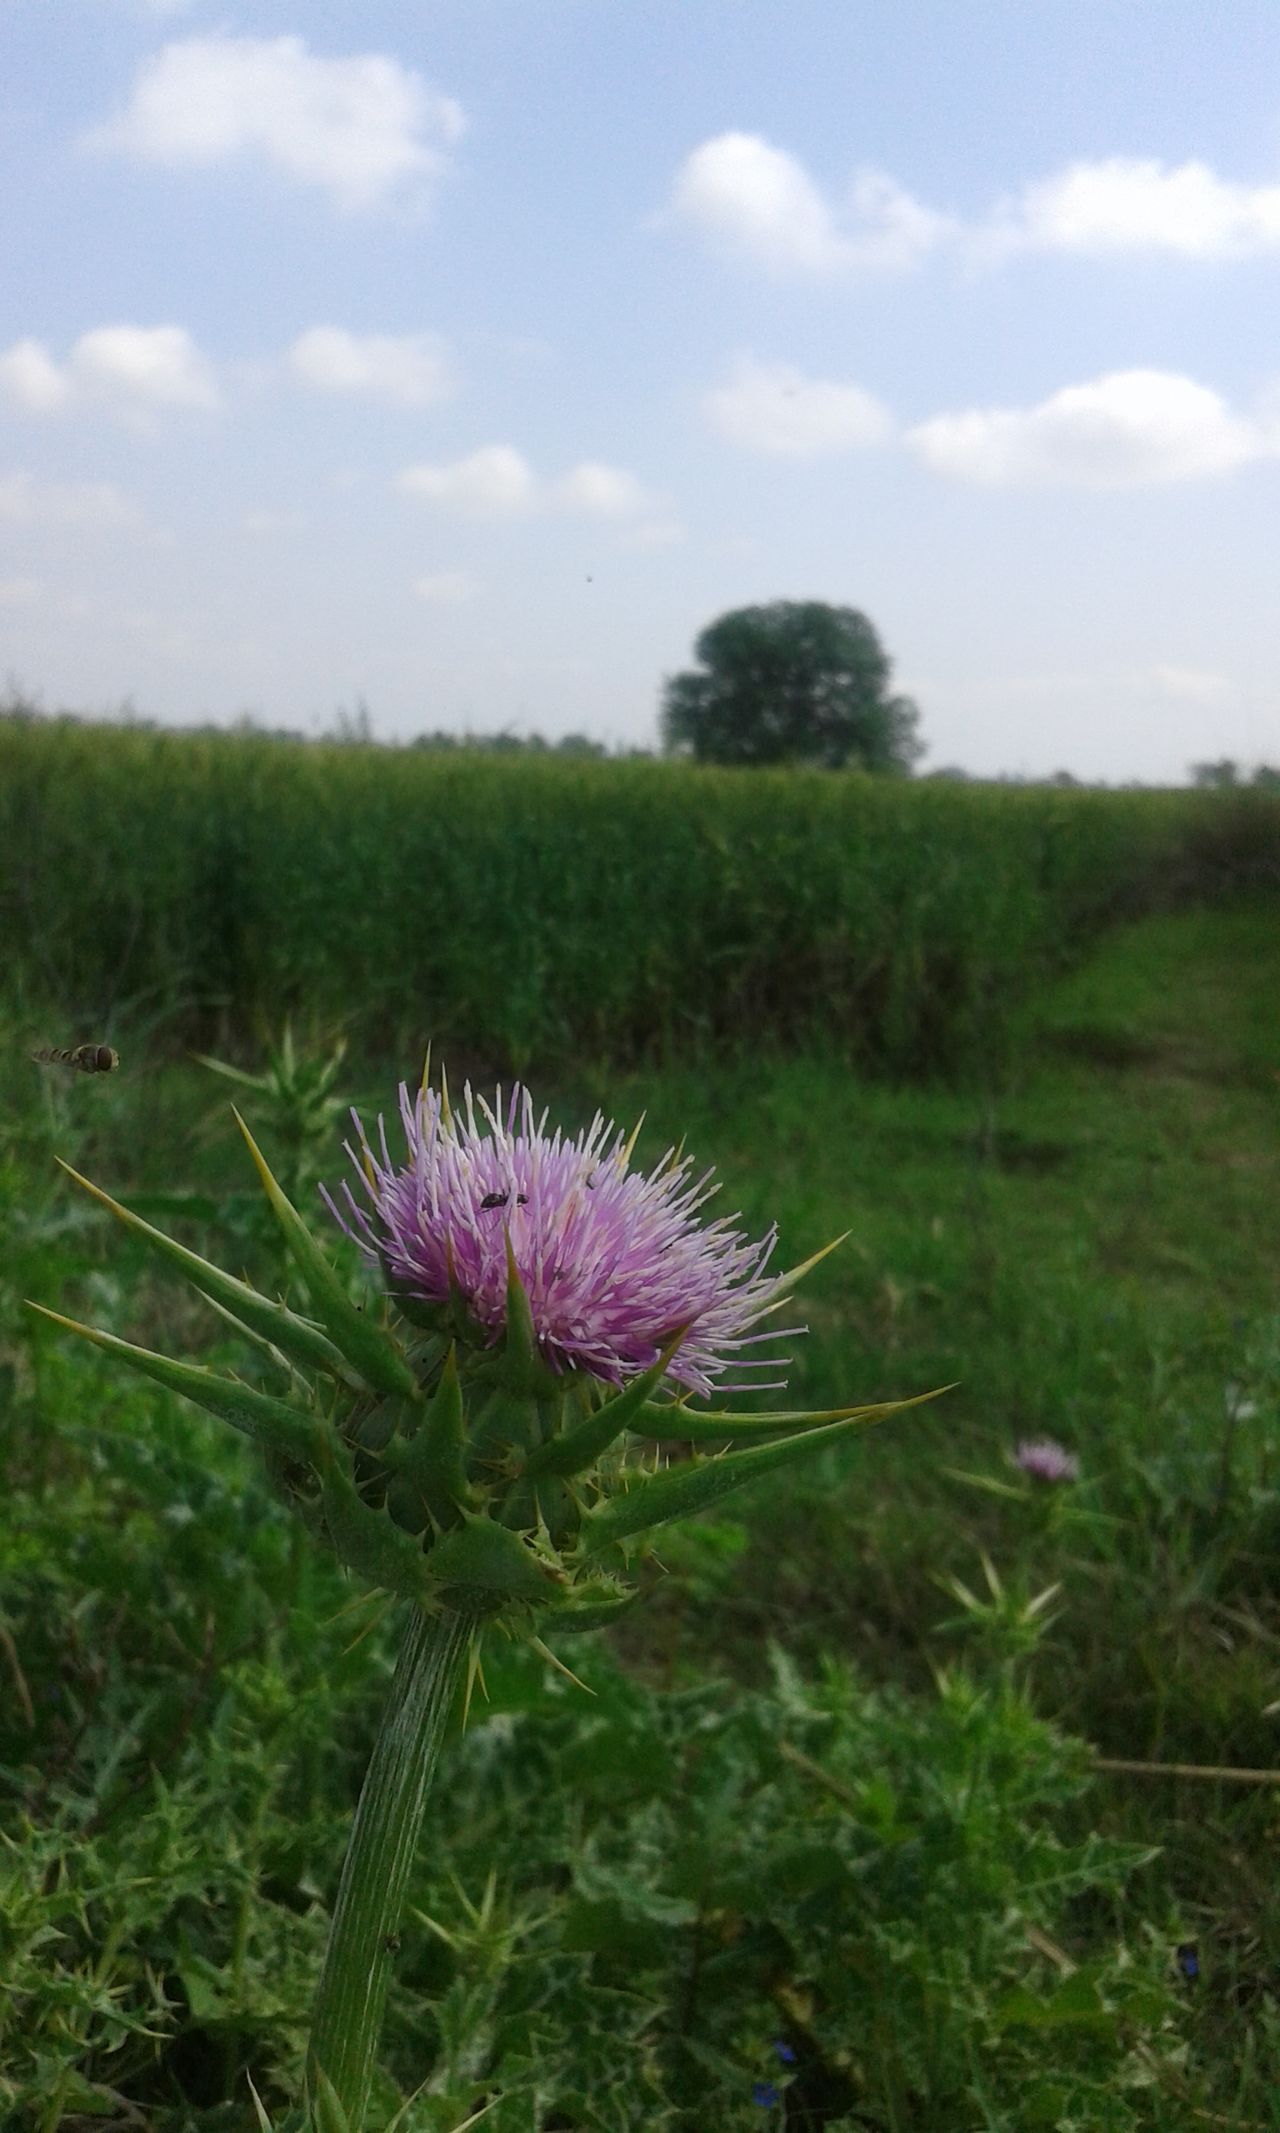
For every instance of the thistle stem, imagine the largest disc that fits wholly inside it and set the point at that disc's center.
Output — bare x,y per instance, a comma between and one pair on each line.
347,2019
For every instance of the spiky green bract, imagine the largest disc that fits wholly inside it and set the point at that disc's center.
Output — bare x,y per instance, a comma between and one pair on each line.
366,1537
575,1450
297,1337
672,1422
273,1423
593,1604
430,1464
525,1369
654,1499
482,1564
371,1351
259,2108
327,2113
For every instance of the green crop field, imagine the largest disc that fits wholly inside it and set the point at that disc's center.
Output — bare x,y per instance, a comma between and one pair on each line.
918,1795
536,912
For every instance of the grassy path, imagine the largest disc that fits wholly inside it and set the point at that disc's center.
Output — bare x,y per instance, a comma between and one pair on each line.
1094,1253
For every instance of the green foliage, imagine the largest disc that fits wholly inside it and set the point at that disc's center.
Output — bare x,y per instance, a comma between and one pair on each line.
170,1761
556,911
627,1899
846,1871
795,682
623,1901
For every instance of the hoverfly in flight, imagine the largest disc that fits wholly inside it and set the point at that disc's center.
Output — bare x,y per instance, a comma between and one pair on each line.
86,1058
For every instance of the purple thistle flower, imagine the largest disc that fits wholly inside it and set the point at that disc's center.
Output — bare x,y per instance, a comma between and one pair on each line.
612,1262
1046,1460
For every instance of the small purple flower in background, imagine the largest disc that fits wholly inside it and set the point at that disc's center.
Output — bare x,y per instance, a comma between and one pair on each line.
785,2051
613,1262
765,2094
1046,1460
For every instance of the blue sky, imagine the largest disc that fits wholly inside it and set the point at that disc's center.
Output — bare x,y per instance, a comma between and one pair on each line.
468,357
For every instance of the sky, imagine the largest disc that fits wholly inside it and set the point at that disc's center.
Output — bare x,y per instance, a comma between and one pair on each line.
466,358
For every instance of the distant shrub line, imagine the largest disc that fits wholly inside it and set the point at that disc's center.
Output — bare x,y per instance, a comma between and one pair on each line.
551,910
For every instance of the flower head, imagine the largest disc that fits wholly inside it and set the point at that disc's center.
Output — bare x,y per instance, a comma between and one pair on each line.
1046,1460
613,1262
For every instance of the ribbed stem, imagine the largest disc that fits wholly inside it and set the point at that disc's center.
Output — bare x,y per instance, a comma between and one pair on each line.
347,2020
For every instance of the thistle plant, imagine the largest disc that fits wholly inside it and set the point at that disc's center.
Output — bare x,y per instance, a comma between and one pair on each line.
487,1446
296,1096
1046,1461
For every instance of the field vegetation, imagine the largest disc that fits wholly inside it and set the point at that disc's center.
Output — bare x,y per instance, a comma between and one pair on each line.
543,911
848,1834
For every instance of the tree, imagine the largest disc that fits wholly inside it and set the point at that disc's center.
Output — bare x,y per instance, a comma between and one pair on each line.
1221,776
794,682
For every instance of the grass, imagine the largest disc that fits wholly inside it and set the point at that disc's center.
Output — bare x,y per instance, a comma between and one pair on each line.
922,1893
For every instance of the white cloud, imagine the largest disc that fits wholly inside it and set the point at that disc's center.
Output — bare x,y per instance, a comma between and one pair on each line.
158,365
94,505
759,201
601,491
362,128
30,377
131,370
770,407
1194,685
445,588
498,482
408,369
1121,431
1129,204
495,482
